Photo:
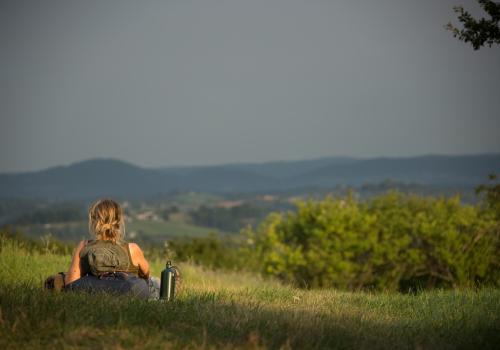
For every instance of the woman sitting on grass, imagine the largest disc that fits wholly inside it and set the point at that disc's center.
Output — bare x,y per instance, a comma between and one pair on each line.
107,263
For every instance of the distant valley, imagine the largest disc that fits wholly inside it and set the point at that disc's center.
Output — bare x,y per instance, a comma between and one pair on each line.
168,203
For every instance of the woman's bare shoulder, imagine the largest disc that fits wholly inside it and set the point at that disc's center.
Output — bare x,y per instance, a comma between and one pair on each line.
78,249
134,248
81,245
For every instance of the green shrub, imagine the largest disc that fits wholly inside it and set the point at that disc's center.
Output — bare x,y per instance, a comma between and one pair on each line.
391,242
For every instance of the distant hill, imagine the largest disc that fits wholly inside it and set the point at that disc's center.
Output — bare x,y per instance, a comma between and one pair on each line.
109,177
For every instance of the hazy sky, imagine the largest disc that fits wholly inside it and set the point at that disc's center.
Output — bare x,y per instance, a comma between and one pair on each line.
161,83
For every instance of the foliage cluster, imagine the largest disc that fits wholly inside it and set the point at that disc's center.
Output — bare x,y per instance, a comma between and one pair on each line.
166,213
391,242
228,219
491,195
481,31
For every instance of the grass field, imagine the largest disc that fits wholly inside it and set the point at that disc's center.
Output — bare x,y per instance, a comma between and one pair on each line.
234,310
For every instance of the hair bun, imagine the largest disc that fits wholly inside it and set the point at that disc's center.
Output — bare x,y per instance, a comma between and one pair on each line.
107,226
106,220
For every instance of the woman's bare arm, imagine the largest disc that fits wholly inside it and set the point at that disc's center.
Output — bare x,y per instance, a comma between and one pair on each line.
74,272
138,259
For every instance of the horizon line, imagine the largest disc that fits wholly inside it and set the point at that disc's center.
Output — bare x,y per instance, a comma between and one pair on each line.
236,163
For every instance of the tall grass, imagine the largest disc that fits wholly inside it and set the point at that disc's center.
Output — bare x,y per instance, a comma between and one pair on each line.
233,310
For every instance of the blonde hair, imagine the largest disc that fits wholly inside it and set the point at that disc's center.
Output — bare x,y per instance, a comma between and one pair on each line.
106,220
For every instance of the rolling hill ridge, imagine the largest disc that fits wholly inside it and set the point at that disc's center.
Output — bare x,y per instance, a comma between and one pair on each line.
110,177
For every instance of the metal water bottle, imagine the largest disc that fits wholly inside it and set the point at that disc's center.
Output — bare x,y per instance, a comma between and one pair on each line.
167,283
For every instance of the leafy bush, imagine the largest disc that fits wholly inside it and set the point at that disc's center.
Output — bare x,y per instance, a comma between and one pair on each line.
391,242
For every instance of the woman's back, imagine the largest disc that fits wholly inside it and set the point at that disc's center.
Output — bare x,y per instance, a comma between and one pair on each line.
99,257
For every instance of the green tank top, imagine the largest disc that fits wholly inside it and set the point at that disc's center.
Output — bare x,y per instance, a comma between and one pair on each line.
99,257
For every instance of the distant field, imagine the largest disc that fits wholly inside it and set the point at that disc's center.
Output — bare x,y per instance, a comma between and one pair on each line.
142,230
195,199
159,230
224,310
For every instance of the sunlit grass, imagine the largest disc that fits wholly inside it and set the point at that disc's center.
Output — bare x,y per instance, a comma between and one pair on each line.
234,310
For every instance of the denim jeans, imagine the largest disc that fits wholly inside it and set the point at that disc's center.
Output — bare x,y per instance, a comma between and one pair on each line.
115,283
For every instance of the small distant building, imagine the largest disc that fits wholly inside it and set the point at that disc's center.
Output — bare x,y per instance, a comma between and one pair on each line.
230,204
147,215
268,198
